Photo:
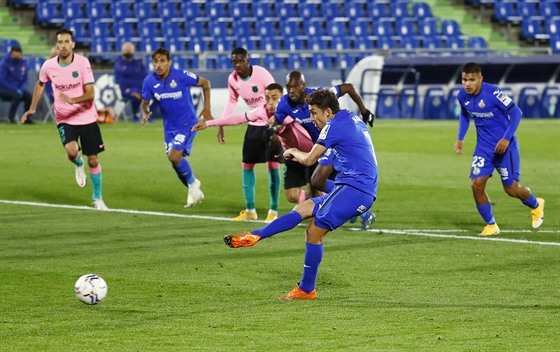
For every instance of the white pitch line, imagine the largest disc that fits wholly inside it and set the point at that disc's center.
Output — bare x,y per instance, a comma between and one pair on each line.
422,233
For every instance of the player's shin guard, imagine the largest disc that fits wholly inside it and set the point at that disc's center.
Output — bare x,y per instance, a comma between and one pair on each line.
249,179
274,187
184,172
485,210
96,181
313,257
283,223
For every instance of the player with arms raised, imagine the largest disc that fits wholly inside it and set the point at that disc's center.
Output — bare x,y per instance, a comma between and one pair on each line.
496,118
76,116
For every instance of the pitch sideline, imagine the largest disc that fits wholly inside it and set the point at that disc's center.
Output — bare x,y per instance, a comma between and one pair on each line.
422,233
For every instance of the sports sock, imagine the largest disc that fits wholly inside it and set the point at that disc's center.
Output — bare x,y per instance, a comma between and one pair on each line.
184,172
274,187
311,261
96,181
282,223
531,202
78,161
302,196
249,179
485,210
329,186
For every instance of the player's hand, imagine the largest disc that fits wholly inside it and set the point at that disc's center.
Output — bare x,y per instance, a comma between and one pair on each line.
66,98
199,126
26,114
289,154
221,138
145,118
368,117
459,147
502,146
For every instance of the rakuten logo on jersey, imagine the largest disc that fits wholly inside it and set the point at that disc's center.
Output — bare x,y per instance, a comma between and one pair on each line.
66,87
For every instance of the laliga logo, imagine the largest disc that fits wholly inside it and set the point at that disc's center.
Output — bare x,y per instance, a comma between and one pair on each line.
108,94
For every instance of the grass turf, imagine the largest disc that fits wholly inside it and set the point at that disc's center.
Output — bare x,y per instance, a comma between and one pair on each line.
174,285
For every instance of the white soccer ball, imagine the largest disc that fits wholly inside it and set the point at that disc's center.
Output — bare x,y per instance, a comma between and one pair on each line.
90,289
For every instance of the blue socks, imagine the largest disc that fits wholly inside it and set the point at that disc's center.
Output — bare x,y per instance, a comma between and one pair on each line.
184,171
283,223
531,202
274,187
313,257
485,211
249,179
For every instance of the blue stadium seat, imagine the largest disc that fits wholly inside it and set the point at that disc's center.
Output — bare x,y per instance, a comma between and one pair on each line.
386,43
263,9
360,27
432,42
272,62
49,13
363,43
409,42
173,27
244,27
453,106
315,27
477,42
223,62
322,61
399,9
149,28
222,44
296,62
316,44
294,43
550,102
216,9
552,26
267,27
145,10
355,9
338,27
428,26
119,9
270,43
527,9
555,43
532,29
421,10
549,9
332,9
101,29
505,11
409,104
529,101
169,10
219,28
435,103
454,42
72,10
387,104
249,43
126,28
292,26
35,63
377,9
406,26
383,27
198,44
240,9
176,44
286,9
80,28
150,44
198,28
101,45
308,10
191,9
450,28
340,43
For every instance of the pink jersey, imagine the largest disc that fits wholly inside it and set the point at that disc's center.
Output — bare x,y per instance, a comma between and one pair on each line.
258,116
71,80
251,90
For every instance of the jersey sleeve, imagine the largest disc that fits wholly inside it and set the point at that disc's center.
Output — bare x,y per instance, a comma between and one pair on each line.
232,99
281,110
88,72
146,90
43,76
191,79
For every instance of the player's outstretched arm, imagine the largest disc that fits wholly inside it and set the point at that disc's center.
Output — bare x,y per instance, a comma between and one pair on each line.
348,88
37,94
206,112
304,158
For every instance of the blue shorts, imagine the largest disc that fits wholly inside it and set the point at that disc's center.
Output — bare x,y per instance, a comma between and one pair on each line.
507,165
179,140
344,202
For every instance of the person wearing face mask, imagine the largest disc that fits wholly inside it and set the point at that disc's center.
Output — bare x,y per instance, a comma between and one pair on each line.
13,82
129,75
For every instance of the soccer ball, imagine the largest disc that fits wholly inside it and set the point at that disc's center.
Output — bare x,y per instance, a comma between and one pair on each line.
90,289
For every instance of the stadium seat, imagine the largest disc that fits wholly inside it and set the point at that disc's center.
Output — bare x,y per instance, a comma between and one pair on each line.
308,10
454,42
409,42
532,29
340,43
450,28
338,27
101,45
385,43
293,26
527,9
316,44
80,28
399,9
101,29
428,26
267,27
421,10
296,62
223,62
314,27
555,43
191,9
216,9
35,63
332,9
272,62
549,9
294,43
409,104
244,27
150,44
126,28
322,61
219,27
286,9
529,101
363,43
432,42
175,44
552,26
435,106
169,10
222,44
149,28
270,43
8,43
49,13
406,26
198,44
505,11
145,10
249,43
354,8
453,106
173,28
198,28
263,9
72,10
477,42
360,27
383,27
377,9
550,102
120,9
387,104
240,9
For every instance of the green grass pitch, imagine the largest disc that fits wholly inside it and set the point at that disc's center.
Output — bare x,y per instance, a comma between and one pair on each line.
420,280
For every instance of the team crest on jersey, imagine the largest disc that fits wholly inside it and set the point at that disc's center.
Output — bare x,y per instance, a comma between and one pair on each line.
173,84
255,89
75,74
481,104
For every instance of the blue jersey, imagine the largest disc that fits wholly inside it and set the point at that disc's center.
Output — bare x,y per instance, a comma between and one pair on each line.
300,112
490,110
174,98
348,137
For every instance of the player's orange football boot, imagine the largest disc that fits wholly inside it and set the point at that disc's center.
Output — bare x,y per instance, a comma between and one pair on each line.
538,214
245,239
297,294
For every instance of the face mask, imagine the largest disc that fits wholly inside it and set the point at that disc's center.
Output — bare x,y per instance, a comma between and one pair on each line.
127,56
16,60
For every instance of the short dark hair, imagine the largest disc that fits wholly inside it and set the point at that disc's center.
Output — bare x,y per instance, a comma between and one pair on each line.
16,48
323,99
472,67
273,86
161,51
65,31
239,51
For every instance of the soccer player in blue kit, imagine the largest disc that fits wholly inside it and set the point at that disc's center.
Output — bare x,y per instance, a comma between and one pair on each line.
355,186
292,106
171,88
496,118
